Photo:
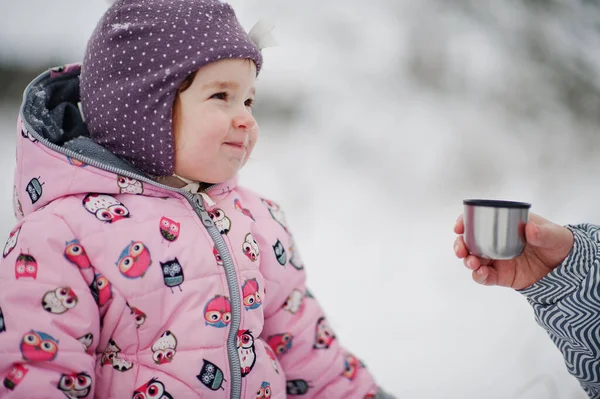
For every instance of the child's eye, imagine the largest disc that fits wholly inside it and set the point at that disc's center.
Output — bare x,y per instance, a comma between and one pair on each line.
249,103
220,96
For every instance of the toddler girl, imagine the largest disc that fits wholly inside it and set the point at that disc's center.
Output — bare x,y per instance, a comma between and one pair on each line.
139,268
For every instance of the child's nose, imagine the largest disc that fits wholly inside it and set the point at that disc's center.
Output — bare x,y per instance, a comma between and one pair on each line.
244,120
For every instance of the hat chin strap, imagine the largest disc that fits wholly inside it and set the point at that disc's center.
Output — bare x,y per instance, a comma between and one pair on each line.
191,186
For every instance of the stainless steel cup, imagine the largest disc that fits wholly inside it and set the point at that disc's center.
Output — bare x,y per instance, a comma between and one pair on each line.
495,229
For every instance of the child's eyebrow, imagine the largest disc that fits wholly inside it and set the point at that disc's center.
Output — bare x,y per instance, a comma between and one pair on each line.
223,84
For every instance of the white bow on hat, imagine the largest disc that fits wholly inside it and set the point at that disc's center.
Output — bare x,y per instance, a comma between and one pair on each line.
261,34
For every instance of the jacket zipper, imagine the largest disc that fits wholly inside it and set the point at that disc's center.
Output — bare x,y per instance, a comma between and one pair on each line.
195,201
234,292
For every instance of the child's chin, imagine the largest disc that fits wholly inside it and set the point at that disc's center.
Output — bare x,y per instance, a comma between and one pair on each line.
219,177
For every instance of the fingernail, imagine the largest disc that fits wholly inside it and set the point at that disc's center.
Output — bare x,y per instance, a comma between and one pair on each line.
456,248
480,271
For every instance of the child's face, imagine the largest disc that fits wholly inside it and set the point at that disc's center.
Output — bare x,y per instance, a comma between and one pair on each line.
213,125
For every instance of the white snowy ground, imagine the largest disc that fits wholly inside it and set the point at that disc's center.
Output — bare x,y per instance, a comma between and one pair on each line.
372,172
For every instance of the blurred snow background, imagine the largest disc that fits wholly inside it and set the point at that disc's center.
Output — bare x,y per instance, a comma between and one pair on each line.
377,119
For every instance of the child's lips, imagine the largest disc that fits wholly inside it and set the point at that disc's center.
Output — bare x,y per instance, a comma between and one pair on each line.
236,144
238,148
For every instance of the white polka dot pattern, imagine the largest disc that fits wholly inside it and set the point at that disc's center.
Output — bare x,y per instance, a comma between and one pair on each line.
136,58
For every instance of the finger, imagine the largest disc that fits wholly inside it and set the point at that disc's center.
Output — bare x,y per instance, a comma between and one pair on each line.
535,229
534,217
485,275
459,226
460,249
548,235
533,233
473,262
469,264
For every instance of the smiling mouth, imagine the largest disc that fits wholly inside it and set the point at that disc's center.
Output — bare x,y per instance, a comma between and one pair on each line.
237,148
237,145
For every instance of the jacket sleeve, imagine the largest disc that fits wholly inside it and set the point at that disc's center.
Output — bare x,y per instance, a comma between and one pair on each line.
49,320
566,304
316,365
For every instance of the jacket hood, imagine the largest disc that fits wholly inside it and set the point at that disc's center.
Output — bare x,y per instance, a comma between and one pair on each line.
56,157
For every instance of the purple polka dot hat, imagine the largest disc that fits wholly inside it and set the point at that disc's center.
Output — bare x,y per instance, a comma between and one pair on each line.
137,57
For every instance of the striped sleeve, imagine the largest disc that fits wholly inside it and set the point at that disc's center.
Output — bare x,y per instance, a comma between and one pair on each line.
566,304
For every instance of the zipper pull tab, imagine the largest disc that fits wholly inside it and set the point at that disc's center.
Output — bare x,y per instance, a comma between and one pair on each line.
204,216
198,201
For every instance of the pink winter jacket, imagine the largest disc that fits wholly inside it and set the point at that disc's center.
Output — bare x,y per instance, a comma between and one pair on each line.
114,286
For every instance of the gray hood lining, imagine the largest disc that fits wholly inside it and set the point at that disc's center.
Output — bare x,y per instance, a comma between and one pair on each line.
50,107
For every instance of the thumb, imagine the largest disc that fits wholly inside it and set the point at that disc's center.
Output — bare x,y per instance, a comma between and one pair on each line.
547,235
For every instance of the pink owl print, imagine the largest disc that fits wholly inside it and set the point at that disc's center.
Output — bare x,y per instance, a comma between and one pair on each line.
75,253
221,221
324,335
169,229
26,266
217,256
37,346
59,300
250,248
15,376
151,390
127,185
164,349
134,260
351,366
280,343
106,208
246,351
11,243
250,291
217,312
75,385
139,316
101,289
264,392
238,206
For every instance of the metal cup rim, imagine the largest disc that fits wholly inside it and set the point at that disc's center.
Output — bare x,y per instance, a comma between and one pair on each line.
497,203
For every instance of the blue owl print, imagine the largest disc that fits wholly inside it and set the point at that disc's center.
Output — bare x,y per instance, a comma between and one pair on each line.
172,274
211,376
280,253
297,387
2,324
264,392
34,189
